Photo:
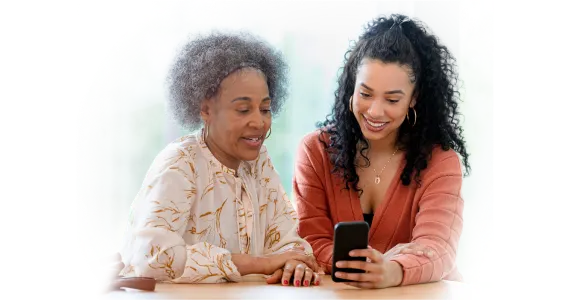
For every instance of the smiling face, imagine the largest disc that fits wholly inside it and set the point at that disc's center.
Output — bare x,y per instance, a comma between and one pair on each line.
238,117
381,99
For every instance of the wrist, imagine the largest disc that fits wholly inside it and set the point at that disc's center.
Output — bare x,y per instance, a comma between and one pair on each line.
395,273
261,265
247,264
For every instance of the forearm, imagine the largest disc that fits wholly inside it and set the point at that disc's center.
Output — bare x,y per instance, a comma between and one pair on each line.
247,264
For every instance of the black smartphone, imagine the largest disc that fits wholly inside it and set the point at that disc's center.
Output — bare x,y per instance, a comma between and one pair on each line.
348,236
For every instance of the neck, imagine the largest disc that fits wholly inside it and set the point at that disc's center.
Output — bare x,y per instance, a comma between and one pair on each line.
222,156
384,146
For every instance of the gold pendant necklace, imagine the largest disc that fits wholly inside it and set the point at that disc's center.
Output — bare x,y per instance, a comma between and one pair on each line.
377,178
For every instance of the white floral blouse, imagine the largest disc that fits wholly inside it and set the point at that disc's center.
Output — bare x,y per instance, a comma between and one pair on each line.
192,212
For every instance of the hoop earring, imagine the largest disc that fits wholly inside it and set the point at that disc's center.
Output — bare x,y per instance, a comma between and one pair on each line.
351,104
415,117
268,135
205,131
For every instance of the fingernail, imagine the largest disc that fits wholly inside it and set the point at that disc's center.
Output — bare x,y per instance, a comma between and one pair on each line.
285,282
316,283
306,283
430,253
297,283
351,253
419,252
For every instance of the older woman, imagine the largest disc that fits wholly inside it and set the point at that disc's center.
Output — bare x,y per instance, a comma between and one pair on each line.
389,154
211,207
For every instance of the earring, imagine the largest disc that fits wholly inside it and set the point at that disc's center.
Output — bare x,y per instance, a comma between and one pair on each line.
415,117
351,104
268,135
205,131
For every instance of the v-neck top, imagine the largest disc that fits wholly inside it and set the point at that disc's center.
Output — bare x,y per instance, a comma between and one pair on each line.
429,214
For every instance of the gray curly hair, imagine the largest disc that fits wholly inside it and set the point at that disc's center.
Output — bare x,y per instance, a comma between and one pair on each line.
206,60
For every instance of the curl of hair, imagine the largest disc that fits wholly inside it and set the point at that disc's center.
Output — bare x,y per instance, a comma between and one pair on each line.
406,42
205,61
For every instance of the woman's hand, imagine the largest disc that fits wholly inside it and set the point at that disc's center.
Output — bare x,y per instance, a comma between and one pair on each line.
379,271
409,248
274,262
303,275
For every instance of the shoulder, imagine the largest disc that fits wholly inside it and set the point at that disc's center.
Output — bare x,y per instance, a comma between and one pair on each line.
443,163
314,142
181,150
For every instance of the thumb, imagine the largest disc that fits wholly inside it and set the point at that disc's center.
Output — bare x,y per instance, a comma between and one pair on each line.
275,277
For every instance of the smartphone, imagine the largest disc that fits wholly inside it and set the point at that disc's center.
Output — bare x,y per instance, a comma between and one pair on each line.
348,236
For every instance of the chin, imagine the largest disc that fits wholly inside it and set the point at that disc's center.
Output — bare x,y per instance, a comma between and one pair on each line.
250,155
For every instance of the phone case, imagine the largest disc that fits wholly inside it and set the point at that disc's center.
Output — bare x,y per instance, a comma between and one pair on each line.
348,236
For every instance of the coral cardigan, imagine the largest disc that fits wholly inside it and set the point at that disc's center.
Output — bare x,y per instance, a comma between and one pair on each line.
429,214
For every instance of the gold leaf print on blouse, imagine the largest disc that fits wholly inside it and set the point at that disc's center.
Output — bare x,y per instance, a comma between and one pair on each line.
172,211
219,265
273,236
242,216
162,260
213,221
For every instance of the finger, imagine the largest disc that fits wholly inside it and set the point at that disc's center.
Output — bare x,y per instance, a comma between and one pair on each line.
308,260
372,254
287,273
360,277
276,277
317,279
411,251
307,277
418,250
361,285
360,265
298,274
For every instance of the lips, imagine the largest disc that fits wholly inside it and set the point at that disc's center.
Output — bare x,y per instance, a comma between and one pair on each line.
375,124
253,141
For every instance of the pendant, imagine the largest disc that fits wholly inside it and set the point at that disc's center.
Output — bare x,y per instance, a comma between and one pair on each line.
377,180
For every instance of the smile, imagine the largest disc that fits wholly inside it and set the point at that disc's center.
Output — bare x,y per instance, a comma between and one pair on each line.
374,126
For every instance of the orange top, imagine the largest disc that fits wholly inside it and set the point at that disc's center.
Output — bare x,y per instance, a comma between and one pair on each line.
429,214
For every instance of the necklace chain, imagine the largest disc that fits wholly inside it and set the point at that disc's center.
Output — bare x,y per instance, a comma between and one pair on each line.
377,176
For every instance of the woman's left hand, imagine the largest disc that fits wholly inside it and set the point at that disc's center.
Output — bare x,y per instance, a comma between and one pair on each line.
379,272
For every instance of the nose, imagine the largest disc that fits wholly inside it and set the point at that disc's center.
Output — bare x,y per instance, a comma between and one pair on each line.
375,110
257,121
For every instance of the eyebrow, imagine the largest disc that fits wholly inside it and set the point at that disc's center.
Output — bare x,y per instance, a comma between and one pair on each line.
388,92
249,99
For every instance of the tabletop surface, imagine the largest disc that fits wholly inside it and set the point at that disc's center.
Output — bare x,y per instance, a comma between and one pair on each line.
254,287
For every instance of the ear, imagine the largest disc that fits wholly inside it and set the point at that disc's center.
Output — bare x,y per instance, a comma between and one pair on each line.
205,110
413,101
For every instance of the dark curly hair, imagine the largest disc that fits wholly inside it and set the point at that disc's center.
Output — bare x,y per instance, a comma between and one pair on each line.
398,39
206,60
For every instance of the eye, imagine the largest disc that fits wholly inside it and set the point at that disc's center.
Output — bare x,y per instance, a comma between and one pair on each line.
364,95
243,111
393,100
266,111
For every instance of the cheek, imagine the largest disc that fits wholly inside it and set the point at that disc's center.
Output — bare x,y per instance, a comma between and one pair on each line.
396,113
359,107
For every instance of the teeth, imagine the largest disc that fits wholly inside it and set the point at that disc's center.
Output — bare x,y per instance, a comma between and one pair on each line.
375,124
253,139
